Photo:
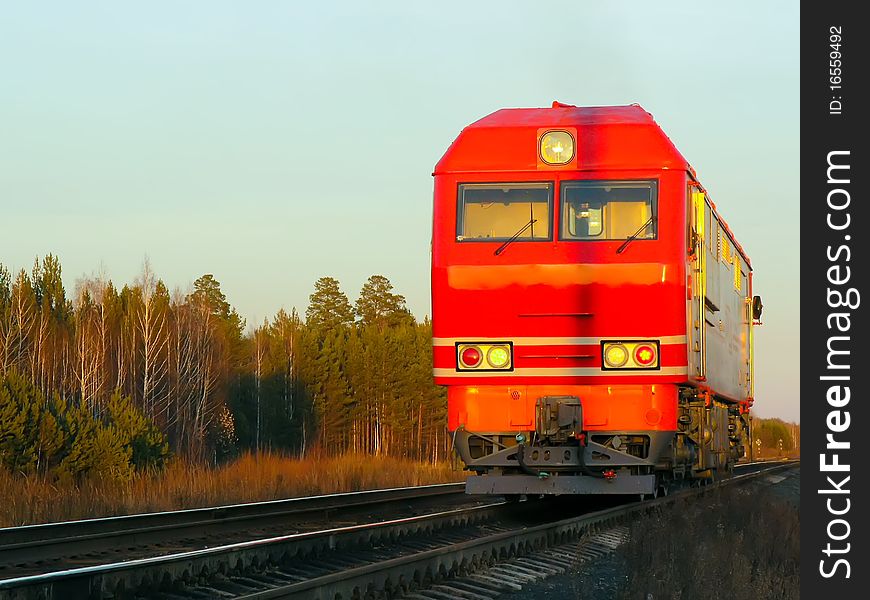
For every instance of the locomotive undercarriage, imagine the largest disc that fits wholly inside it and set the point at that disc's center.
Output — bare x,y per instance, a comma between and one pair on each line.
710,437
559,458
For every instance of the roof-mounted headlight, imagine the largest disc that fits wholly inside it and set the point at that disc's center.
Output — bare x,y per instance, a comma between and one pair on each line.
557,147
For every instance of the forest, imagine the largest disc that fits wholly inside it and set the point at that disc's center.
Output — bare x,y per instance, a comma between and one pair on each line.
147,373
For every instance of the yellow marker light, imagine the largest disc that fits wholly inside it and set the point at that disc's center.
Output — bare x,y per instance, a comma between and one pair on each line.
615,355
557,147
498,357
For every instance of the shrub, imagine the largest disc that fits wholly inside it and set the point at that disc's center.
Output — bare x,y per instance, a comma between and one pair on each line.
94,448
55,437
147,444
30,436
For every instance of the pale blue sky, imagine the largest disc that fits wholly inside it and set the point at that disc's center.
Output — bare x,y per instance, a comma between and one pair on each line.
272,143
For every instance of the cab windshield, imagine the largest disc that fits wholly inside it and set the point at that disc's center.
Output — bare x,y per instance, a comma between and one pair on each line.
608,210
499,211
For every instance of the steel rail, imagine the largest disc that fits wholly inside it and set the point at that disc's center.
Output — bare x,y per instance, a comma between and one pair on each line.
108,579
93,581
37,542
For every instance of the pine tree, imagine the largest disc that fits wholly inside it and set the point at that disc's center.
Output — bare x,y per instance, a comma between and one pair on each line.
328,306
54,325
377,305
207,292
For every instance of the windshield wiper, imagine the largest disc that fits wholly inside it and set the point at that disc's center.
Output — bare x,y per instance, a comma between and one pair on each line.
634,235
501,248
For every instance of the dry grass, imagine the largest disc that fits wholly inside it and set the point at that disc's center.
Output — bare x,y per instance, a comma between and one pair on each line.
25,500
736,543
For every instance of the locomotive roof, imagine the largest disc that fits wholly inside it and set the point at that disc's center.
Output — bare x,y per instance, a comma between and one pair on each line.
567,115
608,137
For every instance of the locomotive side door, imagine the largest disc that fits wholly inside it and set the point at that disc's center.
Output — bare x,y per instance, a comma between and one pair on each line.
698,270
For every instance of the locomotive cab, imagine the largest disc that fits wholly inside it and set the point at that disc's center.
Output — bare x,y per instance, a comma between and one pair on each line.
592,335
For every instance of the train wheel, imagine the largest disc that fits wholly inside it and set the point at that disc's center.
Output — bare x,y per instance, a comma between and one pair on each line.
655,493
660,489
512,498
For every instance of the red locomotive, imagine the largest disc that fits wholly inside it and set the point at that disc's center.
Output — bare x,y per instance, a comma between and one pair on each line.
592,312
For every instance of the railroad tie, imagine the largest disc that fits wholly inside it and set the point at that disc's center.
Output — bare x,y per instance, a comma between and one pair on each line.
520,569
457,591
472,588
539,564
433,594
564,559
512,575
213,592
499,584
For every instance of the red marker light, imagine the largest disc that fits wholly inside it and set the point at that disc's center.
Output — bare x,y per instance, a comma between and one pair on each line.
470,356
645,355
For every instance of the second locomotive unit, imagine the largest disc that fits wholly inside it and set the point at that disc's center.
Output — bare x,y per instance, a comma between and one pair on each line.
592,312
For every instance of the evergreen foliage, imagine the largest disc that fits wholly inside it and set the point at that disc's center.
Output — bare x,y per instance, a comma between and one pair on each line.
65,439
92,447
148,447
377,305
328,308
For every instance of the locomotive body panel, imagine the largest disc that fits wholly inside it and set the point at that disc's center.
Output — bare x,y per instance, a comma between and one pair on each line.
627,407
727,315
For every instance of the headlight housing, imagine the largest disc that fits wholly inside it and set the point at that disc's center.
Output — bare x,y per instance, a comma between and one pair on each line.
470,357
557,147
484,356
615,355
498,357
629,354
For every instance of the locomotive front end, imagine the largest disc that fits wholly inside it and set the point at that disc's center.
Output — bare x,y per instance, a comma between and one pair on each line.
559,292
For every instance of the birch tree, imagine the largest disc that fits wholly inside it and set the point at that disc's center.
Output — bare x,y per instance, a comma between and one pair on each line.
154,339
5,320
88,369
22,313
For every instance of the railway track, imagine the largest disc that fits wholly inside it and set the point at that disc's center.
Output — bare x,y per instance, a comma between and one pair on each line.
436,551
37,549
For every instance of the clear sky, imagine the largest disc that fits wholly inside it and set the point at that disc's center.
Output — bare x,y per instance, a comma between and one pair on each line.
272,143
